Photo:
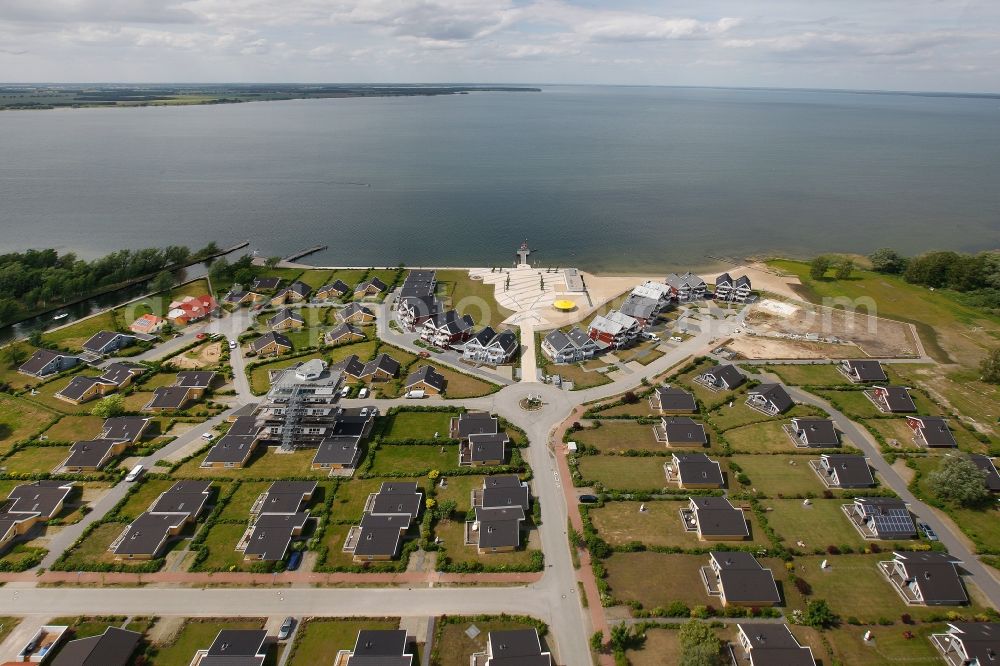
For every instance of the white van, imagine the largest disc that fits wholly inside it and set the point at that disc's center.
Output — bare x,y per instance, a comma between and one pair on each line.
134,474
363,393
415,394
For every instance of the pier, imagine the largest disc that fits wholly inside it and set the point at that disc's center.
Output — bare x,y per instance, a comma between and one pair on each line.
306,252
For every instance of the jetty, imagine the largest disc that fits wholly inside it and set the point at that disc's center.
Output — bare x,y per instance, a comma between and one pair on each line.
305,253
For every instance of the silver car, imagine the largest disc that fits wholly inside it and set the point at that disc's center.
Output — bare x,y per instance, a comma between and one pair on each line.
286,628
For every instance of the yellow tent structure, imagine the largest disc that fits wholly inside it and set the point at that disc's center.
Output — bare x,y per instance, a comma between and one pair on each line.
564,305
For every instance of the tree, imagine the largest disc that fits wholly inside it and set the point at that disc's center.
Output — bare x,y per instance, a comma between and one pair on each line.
887,260
15,355
624,637
958,480
163,281
109,407
272,262
35,338
844,269
219,270
699,645
818,615
818,267
990,366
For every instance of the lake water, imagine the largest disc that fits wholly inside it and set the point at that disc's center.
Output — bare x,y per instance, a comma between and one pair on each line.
606,178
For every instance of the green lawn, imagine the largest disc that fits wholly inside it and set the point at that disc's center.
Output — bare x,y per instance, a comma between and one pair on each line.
418,459
778,475
454,646
20,420
349,502
72,336
760,438
221,544
889,645
461,385
574,372
94,549
661,646
818,525
980,525
35,459
621,523
319,639
643,353
242,500
417,425
470,296
657,579
7,625
315,278
459,490
624,473
11,358
196,635
141,499
620,435
75,428
811,375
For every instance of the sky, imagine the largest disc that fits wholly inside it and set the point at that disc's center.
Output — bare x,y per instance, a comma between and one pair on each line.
927,45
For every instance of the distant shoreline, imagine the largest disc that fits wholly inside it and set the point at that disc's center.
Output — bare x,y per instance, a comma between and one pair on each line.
50,97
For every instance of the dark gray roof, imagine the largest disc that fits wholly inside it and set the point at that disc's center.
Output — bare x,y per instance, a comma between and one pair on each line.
985,463
112,648
483,337
674,399
580,338
236,647
936,431
380,535
195,379
897,398
817,432
127,428
350,365
476,423
888,516
187,497
382,647
269,337
727,374
383,362
981,640
639,307
283,314
89,453
372,282
337,451
717,517
287,496
452,322
231,449
147,533
867,370
353,309
244,425
743,579
936,575
266,283
338,286
300,288
559,340
505,490
488,446
725,278
774,645
40,359
698,468
517,647
344,329
116,373
272,534
422,306
102,339
78,386
684,431
42,497
774,394
169,397
506,340
398,497
499,527
852,471
427,375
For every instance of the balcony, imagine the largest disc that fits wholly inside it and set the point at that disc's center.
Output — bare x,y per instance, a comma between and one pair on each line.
353,537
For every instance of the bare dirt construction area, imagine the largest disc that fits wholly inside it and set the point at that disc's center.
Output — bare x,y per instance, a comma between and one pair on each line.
797,322
756,347
203,356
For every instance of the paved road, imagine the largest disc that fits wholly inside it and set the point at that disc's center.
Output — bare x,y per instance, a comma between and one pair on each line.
946,531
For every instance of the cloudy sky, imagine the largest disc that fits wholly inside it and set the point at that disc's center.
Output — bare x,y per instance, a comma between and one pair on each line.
949,45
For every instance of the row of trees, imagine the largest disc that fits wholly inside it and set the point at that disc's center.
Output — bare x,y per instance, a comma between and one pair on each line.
37,279
977,275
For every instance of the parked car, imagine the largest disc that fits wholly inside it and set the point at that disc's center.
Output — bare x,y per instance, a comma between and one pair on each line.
199,336
364,411
346,391
232,344
294,560
207,435
928,532
588,499
363,393
424,354
649,335
289,622
134,474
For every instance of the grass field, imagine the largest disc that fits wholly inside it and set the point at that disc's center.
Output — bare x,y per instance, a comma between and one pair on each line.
624,473
459,490
417,425
889,645
414,459
35,459
141,499
11,358
620,435
75,428
454,646
656,579
809,375
661,646
574,372
470,296
221,544
239,504
980,525
196,635
7,625
897,435
320,639
818,525
780,475
760,438
452,535
620,523
20,420
72,336
349,502
643,353
94,548
461,385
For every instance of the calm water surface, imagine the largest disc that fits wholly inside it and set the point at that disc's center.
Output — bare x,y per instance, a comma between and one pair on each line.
605,178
